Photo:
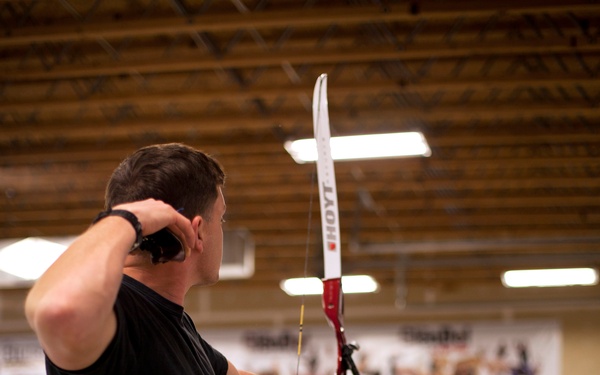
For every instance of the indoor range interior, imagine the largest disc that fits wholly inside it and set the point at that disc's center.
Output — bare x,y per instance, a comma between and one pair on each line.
462,205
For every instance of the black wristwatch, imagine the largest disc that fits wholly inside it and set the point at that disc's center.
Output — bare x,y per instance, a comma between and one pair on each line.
133,220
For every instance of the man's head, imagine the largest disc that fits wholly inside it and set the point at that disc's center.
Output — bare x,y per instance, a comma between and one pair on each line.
176,174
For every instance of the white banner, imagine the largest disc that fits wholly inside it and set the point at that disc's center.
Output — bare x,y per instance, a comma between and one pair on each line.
486,348
490,348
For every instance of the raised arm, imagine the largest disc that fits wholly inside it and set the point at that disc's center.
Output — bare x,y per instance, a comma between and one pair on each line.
70,307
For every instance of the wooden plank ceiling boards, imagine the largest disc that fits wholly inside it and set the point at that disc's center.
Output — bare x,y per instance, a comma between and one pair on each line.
507,94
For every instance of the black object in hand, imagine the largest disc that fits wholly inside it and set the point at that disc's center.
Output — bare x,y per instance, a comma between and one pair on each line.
164,246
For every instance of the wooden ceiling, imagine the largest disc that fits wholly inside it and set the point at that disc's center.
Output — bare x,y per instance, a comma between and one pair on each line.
506,93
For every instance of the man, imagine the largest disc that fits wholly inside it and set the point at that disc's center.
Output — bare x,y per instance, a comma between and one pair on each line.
105,307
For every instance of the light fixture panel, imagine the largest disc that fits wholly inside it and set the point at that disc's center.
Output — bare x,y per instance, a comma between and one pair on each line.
549,277
314,286
355,147
26,259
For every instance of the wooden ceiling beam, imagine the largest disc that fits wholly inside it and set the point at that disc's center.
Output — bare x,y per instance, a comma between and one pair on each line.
285,239
51,164
50,184
199,62
368,224
300,91
176,128
396,209
576,209
302,17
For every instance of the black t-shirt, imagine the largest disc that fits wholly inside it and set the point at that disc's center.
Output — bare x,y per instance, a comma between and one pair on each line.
154,336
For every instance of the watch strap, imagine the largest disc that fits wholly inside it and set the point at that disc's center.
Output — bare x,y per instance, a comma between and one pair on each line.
130,217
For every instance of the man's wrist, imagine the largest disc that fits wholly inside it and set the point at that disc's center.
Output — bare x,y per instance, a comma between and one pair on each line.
130,217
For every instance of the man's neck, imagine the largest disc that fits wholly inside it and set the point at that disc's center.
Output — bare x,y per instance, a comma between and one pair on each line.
163,280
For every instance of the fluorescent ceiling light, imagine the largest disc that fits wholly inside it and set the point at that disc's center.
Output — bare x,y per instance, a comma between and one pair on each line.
313,285
550,277
354,147
29,258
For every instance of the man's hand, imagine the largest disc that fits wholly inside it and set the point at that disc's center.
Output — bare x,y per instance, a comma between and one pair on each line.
155,215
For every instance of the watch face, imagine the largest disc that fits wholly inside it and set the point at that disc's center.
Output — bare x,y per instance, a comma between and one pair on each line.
164,246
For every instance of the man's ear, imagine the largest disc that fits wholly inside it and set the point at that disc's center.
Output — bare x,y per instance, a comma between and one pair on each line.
197,225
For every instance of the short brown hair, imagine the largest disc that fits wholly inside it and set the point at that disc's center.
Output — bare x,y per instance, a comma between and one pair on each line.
174,173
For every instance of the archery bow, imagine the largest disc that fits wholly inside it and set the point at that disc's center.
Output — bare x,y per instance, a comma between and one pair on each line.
333,298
